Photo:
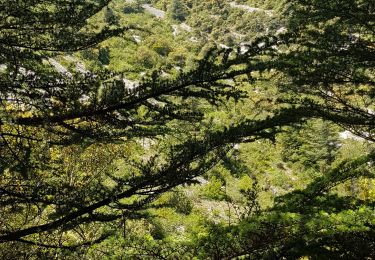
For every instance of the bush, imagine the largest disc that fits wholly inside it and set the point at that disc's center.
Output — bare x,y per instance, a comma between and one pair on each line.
181,203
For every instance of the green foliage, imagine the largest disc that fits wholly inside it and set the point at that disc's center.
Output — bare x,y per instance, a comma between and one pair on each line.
312,145
213,152
180,202
214,189
132,7
147,58
109,17
159,45
306,223
104,56
177,10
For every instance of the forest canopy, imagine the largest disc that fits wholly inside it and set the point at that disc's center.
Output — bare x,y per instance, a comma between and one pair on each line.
187,129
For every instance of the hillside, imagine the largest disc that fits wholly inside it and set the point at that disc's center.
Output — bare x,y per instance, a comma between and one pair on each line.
187,129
